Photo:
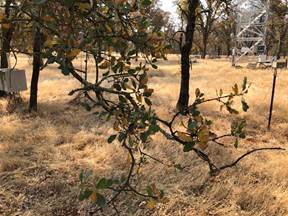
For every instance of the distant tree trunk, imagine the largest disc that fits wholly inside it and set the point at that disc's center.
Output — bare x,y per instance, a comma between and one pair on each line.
205,41
6,41
228,47
37,47
96,59
281,41
7,37
219,50
185,53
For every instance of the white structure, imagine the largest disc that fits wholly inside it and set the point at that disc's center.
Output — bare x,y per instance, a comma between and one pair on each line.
12,80
252,18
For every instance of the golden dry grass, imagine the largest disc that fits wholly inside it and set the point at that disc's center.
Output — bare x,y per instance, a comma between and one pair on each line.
41,155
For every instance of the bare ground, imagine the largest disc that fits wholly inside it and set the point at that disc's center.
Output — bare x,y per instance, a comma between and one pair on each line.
41,155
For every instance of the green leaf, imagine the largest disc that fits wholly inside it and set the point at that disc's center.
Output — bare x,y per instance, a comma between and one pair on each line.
87,107
188,147
238,129
121,137
104,183
244,86
122,99
194,111
106,74
81,176
69,3
144,136
149,191
132,52
154,128
146,2
245,106
101,200
148,92
39,1
192,125
232,111
112,138
85,194
197,92
65,70
179,167
117,86
208,122
161,194
148,102
154,66
132,71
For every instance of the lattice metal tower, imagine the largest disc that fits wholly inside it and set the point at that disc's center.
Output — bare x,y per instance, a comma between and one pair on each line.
252,20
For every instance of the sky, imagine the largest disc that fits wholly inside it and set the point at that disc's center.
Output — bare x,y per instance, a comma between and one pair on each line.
168,5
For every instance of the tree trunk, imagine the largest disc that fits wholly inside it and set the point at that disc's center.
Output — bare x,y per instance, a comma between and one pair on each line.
185,53
219,50
228,46
7,37
37,46
205,41
6,41
95,56
281,41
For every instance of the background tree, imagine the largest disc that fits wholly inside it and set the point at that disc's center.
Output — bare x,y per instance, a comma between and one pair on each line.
7,32
279,25
225,28
210,11
37,63
188,15
190,11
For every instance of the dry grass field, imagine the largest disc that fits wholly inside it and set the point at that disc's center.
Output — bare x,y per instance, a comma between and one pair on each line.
41,155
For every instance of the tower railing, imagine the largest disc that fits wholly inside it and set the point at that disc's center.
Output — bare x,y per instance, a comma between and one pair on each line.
250,38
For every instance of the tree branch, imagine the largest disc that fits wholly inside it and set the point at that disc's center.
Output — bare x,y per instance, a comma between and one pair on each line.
249,153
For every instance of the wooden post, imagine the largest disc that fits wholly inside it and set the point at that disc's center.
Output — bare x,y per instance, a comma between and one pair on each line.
273,93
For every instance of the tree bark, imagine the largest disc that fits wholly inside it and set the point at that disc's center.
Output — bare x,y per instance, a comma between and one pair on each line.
205,40
37,46
185,54
219,51
228,47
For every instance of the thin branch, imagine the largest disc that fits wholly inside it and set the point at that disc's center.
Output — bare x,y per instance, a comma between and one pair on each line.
140,194
153,158
247,154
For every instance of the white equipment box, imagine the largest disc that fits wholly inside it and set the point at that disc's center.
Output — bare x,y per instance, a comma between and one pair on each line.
12,80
